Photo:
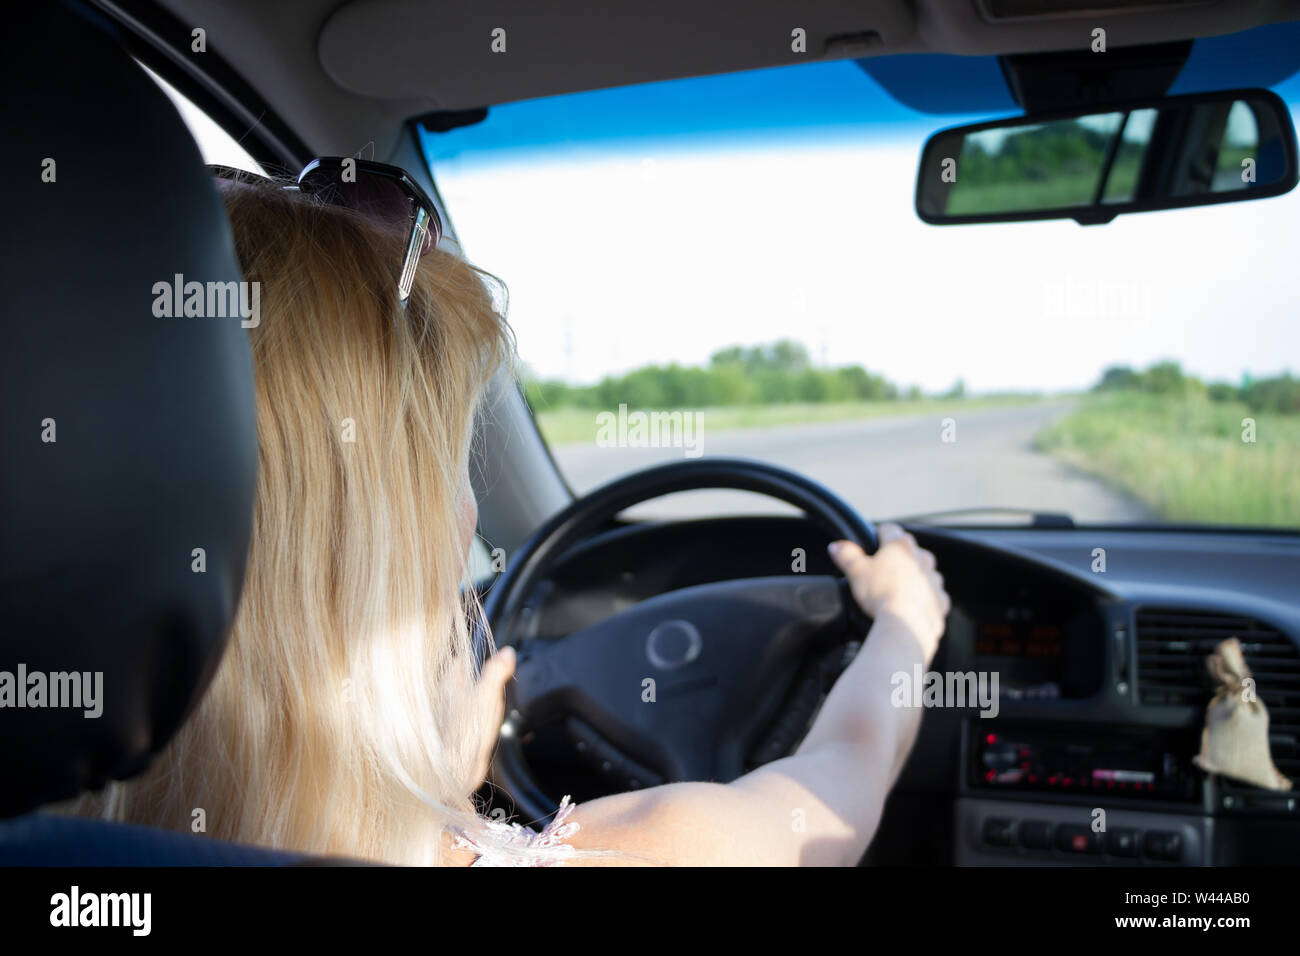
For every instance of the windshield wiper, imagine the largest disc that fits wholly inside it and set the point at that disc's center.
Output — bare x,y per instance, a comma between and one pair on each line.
1037,519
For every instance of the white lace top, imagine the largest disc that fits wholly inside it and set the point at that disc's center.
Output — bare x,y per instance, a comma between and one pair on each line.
521,846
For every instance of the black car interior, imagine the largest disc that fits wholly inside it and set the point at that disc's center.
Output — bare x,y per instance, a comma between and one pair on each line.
152,447
1102,700
131,446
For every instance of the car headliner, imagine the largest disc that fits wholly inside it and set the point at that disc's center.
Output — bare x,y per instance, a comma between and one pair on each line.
344,75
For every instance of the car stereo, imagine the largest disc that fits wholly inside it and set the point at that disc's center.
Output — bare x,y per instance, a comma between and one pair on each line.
1154,764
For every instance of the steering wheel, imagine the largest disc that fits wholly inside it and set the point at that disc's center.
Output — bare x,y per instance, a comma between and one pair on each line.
678,686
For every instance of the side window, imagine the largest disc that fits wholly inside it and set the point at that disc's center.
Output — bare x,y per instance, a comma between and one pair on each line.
1241,141
216,145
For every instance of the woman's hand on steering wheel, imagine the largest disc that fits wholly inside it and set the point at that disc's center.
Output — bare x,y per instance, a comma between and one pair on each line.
900,580
490,709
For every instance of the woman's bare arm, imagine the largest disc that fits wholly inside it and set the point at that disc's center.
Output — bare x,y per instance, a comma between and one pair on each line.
820,805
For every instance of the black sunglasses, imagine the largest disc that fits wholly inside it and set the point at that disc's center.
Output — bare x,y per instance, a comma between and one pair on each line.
379,191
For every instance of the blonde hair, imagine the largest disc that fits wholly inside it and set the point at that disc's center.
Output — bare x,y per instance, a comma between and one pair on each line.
341,719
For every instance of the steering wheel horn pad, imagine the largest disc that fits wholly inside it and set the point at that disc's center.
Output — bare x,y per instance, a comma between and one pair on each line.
672,644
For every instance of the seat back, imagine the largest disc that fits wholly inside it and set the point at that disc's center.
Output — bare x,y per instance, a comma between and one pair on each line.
128,434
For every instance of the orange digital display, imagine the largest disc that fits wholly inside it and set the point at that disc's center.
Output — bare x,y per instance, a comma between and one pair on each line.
1019,639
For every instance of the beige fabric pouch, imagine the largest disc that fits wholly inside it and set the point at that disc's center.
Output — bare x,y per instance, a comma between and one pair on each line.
1235,740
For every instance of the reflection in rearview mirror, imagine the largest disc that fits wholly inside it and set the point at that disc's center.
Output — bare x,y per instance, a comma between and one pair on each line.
1163,154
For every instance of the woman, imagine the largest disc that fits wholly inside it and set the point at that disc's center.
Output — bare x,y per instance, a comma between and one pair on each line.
347,717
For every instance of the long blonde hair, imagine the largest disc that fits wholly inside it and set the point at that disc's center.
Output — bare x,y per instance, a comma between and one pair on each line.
340,720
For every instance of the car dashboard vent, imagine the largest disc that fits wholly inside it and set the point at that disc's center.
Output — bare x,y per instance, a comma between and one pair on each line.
1171,649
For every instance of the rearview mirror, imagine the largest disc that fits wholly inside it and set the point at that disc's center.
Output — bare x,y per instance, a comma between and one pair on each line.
1092,166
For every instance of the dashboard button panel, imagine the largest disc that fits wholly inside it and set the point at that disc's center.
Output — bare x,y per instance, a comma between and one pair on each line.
1036,835
1075,838
1122,841
993,832
999,831
1163,845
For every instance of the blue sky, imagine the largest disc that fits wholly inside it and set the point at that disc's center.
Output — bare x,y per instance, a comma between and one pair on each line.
823,99
826,99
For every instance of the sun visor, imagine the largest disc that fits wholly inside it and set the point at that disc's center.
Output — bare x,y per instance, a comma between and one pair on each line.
516,50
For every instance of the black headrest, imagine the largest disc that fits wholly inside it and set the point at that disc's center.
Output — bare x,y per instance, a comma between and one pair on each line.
127,439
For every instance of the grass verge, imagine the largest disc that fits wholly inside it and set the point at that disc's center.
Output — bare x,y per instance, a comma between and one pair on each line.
1185,457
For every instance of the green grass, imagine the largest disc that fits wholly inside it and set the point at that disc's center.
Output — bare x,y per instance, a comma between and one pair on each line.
561,426
1061,192
1185,458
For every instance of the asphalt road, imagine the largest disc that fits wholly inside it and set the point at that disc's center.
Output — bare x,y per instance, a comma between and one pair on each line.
884,467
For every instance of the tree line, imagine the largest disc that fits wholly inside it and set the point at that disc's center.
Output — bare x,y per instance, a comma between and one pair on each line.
782,372
779,373
1280,394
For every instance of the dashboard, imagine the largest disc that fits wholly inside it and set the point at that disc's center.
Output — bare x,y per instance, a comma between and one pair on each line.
1081,751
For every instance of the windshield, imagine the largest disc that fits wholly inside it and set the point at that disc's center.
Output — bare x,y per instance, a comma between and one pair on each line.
733,266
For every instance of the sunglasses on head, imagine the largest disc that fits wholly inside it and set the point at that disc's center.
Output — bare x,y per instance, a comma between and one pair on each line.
384,193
